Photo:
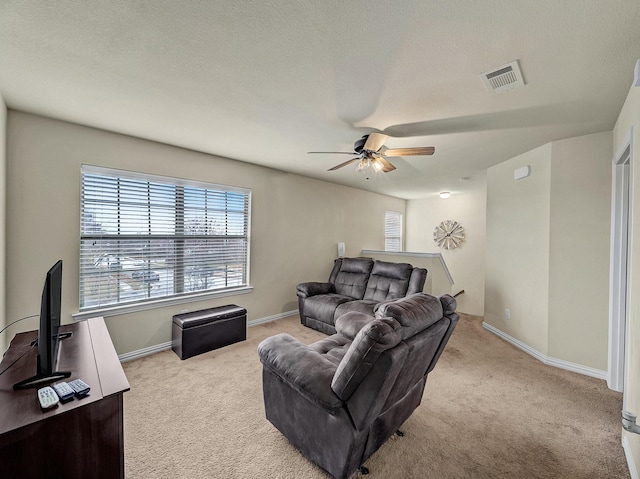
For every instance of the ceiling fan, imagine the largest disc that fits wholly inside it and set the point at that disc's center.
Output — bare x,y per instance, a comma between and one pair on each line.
372,154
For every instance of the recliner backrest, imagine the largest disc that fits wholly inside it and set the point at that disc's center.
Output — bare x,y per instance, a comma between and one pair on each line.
350,276
427,323
415,313
370,342
422,349
369,369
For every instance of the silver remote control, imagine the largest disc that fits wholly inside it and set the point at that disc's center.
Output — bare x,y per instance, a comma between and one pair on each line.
47,397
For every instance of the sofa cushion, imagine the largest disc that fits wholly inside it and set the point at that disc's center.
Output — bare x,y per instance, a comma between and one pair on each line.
365,306
414,313
371,341
350,324
388,281
323,306
352,277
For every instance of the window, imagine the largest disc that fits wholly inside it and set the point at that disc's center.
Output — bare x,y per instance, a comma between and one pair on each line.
144,238
393,231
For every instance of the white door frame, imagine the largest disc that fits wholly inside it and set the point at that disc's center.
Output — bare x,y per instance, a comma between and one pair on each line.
621,208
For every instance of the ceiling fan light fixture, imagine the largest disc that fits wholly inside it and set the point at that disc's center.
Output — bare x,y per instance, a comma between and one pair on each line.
369,165
373,157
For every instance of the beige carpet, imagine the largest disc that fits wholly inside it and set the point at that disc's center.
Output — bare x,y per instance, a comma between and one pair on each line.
489,411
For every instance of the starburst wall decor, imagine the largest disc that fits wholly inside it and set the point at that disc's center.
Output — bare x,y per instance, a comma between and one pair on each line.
448,234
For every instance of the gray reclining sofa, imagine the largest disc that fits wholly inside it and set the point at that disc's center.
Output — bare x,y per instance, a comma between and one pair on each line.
339,399
355,284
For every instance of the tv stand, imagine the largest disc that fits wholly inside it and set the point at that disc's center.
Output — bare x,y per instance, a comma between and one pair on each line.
59,335
41,379
79,439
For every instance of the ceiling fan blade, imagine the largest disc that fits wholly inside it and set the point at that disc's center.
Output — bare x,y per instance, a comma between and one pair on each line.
333,152
386,165
417,151
375,142
344,164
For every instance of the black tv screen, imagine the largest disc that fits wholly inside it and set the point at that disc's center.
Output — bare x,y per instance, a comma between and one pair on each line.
50,320
48,331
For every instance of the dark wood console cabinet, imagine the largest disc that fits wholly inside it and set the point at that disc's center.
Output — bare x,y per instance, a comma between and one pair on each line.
80,439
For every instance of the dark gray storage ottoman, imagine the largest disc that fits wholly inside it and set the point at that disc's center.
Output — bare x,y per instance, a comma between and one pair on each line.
197,332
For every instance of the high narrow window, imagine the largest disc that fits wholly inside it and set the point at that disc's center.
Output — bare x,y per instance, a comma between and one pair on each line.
144,238
393,231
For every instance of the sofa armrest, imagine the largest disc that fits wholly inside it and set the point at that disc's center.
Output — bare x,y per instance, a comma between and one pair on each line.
302,368
313,288
449,304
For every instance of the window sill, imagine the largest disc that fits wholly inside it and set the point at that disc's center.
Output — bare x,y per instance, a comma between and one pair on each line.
160,303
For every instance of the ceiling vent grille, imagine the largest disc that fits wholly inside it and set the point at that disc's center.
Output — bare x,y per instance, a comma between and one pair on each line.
504,78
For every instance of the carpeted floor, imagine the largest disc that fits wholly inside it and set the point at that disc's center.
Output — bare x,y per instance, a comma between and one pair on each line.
489,411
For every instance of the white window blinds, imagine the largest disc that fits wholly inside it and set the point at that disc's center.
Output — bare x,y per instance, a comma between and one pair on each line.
393,231
146,237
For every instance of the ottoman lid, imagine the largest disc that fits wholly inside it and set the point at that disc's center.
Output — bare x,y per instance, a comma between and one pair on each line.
196,318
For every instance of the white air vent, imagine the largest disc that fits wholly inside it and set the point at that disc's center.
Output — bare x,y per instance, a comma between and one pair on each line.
504,78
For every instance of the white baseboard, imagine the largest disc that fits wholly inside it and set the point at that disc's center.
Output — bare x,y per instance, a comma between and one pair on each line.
140,353
633,470
558,363
268,319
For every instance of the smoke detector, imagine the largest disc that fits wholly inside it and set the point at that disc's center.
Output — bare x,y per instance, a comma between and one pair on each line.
504,78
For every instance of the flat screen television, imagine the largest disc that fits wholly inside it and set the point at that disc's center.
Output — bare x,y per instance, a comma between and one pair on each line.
48,332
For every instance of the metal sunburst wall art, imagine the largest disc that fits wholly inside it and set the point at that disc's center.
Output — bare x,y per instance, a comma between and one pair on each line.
448,234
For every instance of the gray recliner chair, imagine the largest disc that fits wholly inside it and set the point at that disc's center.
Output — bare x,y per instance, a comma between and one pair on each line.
339,399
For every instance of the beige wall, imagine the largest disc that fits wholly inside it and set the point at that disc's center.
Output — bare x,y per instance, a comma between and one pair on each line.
548,249
579,250
296,221
466,263
630,117
4,320
517,253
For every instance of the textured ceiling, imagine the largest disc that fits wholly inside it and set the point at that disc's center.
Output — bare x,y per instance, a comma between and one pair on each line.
266,81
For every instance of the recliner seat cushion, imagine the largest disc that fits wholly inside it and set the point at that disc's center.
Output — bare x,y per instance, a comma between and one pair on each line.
364,306
388,281
333,347
323,306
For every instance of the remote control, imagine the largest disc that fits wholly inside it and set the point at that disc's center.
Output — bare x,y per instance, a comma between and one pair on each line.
64,391
47,397
80,388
